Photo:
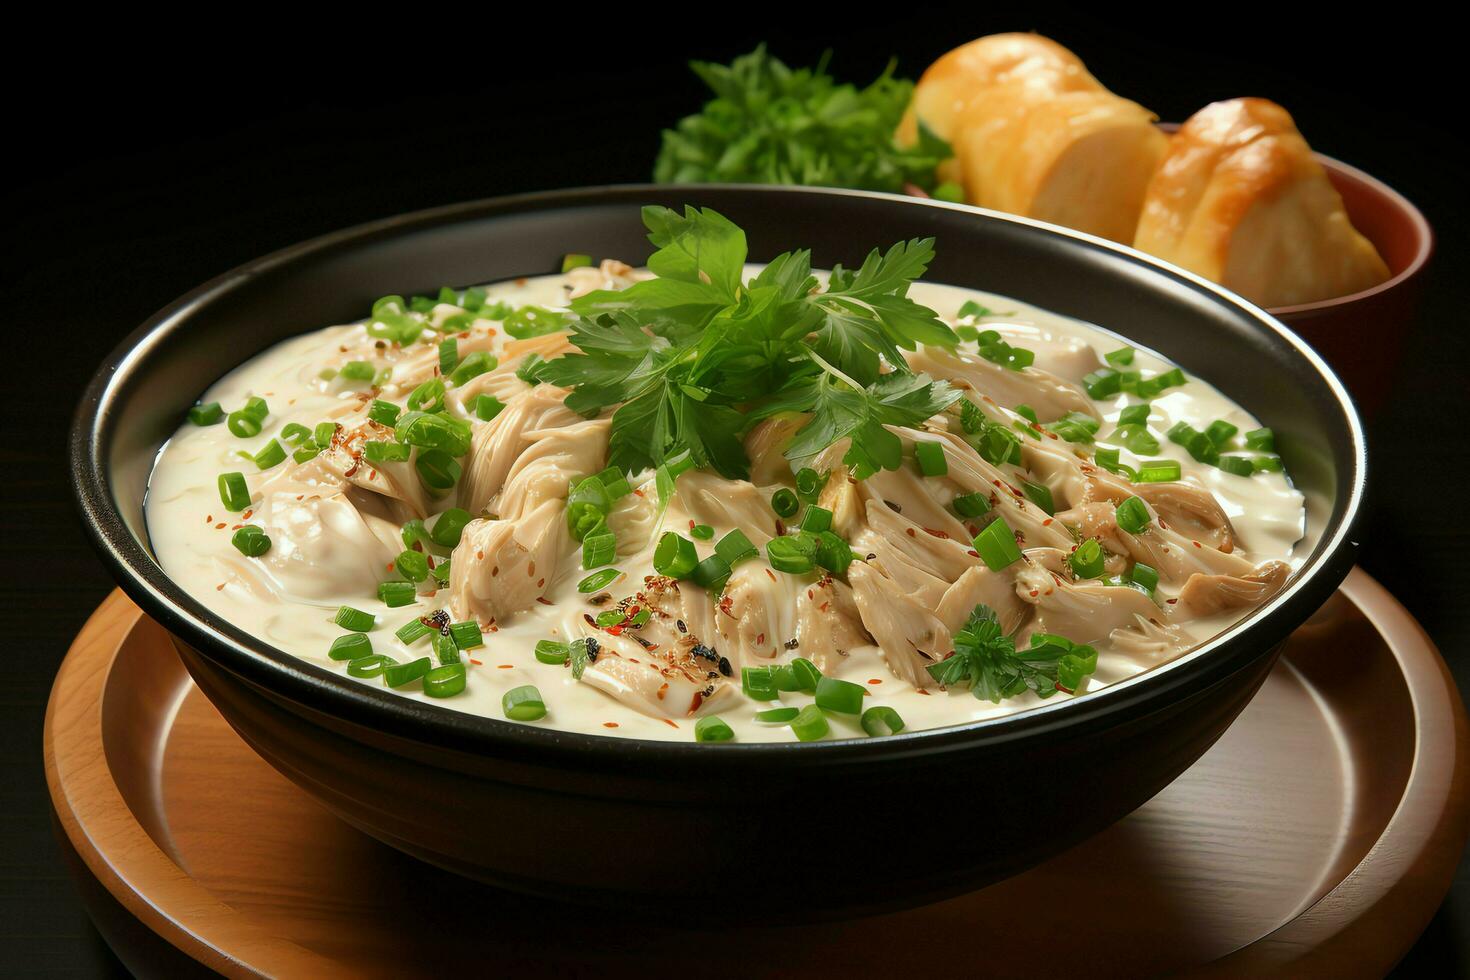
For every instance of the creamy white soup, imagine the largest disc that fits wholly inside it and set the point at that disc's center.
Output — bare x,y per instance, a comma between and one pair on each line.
682,533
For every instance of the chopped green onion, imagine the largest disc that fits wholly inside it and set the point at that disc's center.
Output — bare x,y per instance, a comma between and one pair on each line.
256,408
841,696
528,369
1221,432
394,594
251,541
881,720
996,545
712,729
384,413
473,366
324,434
350,646
833,553
1261,439
1137,438
712,574
449,527
758,684
1040,495
972,504
444,649
487,407
371,666
1158,471
467,634
355,619
437,470
357,371
552,652
448,355
615,482
412,631
412,565
270,455
1102,383
816,519
295,434
207,414
1268,464
401,674
809,484
807,675
533,321
776,716
523,704
784,503
233,492
1028,413
574,261
441,573
307,453
735,548
1132,515
1087,560
810,724
599,549
674,555
930,457
970,308
598,580
702,532
447,295
793,554
445,681
1239,465
434,432
243,425
1134,415
378,452
1121,357
1074,427
610,617
587,505
1144,575
427,397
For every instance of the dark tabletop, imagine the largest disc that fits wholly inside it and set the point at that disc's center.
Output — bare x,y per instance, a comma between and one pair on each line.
146,160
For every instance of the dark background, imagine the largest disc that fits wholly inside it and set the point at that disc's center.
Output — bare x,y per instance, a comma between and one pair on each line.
143,161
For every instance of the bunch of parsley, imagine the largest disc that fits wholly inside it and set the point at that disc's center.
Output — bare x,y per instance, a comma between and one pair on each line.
769,124
694,357
988,660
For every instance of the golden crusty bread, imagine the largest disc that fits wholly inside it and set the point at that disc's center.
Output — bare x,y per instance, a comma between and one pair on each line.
1035,134
1240,199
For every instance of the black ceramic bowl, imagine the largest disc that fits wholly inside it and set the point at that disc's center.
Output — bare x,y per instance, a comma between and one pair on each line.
826,827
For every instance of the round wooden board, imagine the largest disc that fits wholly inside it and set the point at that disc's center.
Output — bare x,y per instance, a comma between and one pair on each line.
1316,838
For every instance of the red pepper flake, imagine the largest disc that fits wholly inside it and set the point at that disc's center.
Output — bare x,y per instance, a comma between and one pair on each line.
875,680
663,689
476,662
691,524
208,518
609,724
760,639
669,723
1171,601
219,525
1196,544
543,600
246,516
390,566
938,534
1047,522
220,587
531,569
973,553
505,666
237,527
910,532
920,690
540,583
772,574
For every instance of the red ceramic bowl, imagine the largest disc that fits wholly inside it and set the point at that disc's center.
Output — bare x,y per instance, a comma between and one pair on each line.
1337,327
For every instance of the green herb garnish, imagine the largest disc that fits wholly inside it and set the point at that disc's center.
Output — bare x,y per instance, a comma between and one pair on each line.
988,660
769,124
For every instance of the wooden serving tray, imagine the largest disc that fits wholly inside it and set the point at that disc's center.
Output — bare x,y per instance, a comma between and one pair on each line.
1316,838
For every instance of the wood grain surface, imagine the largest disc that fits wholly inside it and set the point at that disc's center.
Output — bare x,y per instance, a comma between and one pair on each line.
1315,839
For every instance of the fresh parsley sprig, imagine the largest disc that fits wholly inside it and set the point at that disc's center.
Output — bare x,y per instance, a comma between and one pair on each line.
693,357
988,660
769,124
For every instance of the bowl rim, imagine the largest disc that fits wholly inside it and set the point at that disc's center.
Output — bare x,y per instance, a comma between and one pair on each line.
323,692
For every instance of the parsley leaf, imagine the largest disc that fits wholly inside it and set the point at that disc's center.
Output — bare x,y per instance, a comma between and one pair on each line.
683,358
769,124
988,659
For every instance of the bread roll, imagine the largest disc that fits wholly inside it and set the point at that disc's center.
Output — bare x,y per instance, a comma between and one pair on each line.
1240,199
1035,134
